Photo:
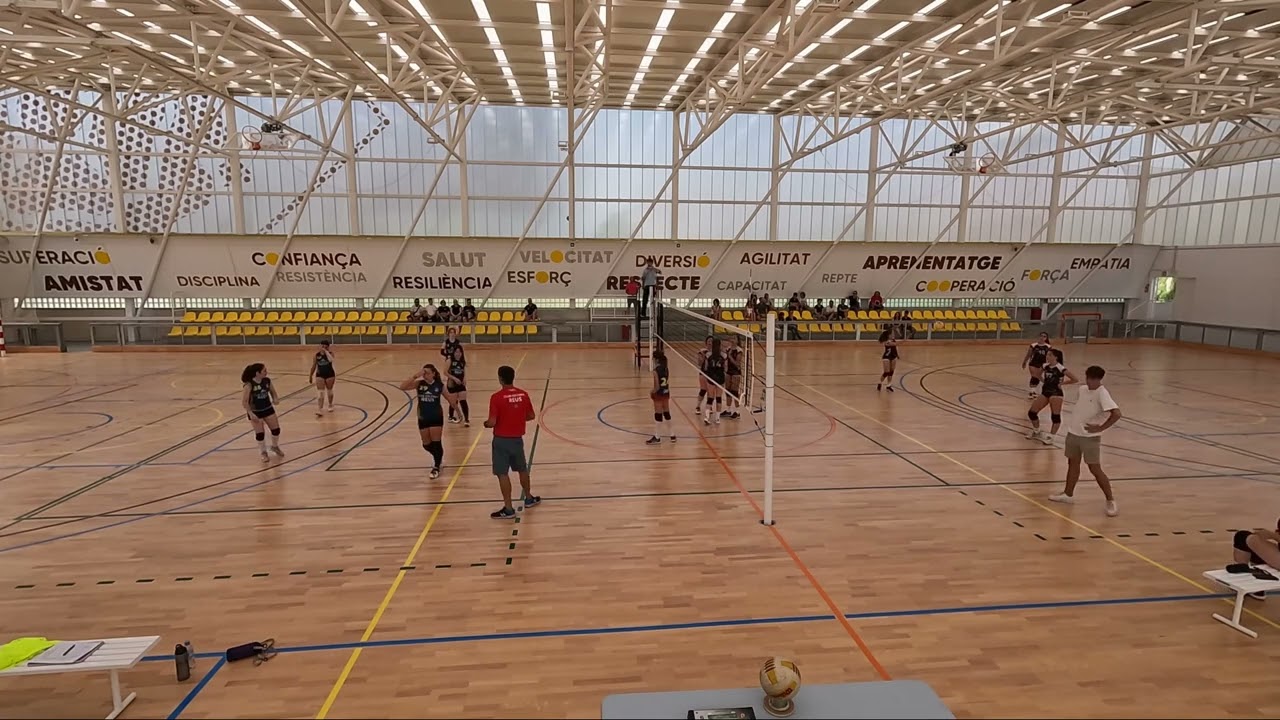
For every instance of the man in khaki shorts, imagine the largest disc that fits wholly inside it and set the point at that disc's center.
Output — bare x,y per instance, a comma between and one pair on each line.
1092,414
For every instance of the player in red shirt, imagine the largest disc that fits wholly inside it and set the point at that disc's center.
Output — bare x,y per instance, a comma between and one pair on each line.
509,409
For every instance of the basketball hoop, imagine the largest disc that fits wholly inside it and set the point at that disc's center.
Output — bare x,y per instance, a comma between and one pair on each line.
253,139
958,164
989,165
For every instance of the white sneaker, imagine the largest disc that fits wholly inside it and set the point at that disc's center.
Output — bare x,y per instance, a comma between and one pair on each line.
1112,510
1033,435
1062,498
1046,438
716,420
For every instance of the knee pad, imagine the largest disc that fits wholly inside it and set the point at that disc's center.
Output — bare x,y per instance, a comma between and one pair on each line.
427,446
1035,416
666,415
702,393
657,417
259,436
275,432
1057,419
1035,381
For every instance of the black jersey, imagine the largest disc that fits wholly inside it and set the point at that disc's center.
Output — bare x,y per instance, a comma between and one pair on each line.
890,351
324,365
449,347
714,367
1051,380
260,395
733,361
664,380
429,398
458,369
1039,354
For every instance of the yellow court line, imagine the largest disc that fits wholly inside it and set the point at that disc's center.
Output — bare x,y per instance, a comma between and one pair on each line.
395,584
1154,563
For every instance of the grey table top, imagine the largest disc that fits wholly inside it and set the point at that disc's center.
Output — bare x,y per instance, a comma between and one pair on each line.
893,700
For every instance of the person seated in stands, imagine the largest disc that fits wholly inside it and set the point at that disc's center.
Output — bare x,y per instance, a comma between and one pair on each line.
842,310
855,303
531,311
446,312
750,309
763,306
430,312
468,311
820,311
715,309
908,326
455,310
417,313
804,301
876,302
794,304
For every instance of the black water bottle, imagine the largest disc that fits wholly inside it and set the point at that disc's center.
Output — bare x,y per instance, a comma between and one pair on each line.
182,663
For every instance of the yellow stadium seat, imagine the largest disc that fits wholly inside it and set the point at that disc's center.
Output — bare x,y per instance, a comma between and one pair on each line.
230,316
1011,327
220,331
802,327
823,327
290,330
217,317
493,329
311,316
324,317
806,315
345,316
380,316
859,314
203,316
287,316
175,331
203,331
508,316
725,315
375,330
926,314
506,330
1003,315
531,329
948,314
233,331
272,317
274,330
737,315
517,330
399,330
345,330
258,317
194,331
482,316
364,316
188,316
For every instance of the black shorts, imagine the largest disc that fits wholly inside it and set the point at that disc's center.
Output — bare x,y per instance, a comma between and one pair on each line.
1037,365
455,389
264,413
1240,542
326,375
717,379
430,421
1056,393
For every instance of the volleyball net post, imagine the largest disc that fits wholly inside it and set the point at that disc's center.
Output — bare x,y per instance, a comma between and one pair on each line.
682,334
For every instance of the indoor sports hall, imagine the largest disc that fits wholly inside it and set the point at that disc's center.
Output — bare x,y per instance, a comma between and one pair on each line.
799,318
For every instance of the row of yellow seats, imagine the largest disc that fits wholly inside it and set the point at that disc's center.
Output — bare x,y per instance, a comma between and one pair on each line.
326,316
344,330
738,316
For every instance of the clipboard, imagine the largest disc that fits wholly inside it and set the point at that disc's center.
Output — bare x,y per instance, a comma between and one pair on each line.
66,653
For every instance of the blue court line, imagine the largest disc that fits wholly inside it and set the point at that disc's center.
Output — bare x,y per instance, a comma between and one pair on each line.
191,696
738,622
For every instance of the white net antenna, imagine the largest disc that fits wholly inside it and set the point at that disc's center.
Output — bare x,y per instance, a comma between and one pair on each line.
684,335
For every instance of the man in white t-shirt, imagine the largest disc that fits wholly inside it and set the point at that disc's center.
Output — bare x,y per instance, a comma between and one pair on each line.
1092,414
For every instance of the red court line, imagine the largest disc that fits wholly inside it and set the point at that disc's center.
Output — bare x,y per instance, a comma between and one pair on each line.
777,534
831,429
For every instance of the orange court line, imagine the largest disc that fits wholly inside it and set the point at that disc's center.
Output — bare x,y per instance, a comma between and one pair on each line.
777,534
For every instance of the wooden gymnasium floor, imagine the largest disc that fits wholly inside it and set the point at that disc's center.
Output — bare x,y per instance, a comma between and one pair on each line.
132,502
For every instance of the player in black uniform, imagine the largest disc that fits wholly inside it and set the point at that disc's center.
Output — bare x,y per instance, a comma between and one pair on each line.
888,358
733,377
1034,360
702,378
259,401
323,376
451,343
713,368
429,388
1053,377
661,396
457,377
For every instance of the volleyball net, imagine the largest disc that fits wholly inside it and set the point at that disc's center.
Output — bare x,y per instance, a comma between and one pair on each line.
685,337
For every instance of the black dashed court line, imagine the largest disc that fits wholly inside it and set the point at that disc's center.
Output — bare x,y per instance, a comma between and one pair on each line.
291,573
